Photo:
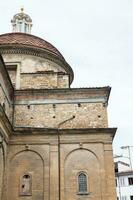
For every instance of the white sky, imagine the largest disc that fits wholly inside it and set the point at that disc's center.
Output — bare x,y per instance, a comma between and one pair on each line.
96,39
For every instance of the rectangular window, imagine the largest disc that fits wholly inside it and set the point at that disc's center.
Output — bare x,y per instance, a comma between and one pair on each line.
130,180
121,182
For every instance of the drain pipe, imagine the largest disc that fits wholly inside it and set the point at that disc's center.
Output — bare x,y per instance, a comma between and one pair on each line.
59,171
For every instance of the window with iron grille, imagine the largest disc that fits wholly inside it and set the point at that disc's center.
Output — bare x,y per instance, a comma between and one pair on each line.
82,182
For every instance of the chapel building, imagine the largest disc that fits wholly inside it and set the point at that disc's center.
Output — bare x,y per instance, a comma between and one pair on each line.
55,143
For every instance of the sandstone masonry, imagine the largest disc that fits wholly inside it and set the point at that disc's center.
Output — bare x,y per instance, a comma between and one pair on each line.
55,143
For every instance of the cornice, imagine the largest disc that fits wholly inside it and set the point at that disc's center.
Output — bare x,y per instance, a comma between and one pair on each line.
70,94
55,131
99,90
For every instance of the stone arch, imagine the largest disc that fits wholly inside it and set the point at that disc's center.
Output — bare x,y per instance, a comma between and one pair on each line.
82,149
27,150
26,162
82,160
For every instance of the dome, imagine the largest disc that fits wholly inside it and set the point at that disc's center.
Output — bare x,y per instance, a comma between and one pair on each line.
23,39
29,44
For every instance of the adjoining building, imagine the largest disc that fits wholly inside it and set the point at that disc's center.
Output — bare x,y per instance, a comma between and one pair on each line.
124,181
55,143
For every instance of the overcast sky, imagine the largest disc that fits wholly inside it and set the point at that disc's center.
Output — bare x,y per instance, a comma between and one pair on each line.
96,39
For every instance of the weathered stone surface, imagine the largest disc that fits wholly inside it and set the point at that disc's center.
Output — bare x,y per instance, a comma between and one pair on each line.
87,115
53,135
30,72
6,91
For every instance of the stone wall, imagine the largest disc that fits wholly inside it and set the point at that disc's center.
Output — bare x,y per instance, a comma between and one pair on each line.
37,155
48,115
36,72
6,92
22,165
38,81
63,81
43,81
6,103
4,139
32,64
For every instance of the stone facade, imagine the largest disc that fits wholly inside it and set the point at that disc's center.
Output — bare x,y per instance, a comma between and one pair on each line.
35,72
51,133
88,115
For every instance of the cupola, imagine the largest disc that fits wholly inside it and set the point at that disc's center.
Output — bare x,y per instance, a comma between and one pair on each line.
21,22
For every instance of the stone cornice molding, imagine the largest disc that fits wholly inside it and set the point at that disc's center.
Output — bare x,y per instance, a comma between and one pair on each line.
83,94
95,90
29,131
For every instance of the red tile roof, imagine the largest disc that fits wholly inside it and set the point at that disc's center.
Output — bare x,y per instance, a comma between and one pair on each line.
28,40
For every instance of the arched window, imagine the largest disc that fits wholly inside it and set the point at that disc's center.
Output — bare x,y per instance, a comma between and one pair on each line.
25,185
82,182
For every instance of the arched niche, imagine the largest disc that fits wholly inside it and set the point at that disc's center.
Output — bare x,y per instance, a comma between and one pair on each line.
82,160
26,176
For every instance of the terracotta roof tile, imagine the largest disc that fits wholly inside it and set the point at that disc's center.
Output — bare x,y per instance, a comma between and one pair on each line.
27,39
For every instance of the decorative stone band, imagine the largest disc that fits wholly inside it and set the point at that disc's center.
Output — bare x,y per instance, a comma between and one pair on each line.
54,131
65,101
44,53
64,95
